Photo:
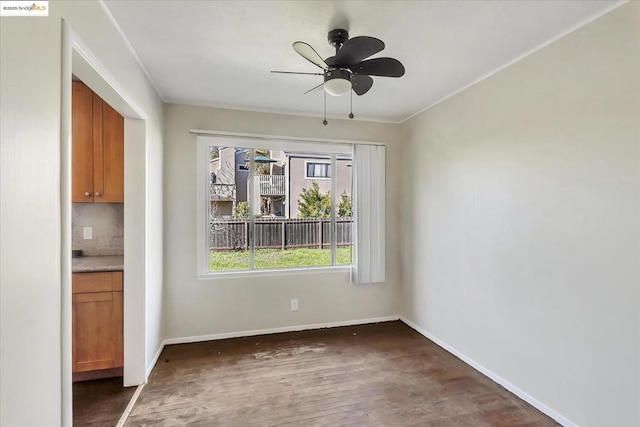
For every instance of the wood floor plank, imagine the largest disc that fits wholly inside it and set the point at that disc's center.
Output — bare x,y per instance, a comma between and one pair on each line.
371,375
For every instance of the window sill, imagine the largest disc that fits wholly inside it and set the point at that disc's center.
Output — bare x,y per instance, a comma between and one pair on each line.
223,275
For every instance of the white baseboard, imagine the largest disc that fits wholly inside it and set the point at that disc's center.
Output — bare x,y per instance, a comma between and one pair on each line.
493,376
240,334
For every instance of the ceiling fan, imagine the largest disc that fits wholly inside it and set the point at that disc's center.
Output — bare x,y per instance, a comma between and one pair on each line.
349,69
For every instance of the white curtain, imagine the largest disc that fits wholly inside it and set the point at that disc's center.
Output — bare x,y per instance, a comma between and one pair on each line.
369,183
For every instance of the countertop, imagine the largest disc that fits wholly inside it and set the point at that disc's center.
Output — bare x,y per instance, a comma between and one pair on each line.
88,264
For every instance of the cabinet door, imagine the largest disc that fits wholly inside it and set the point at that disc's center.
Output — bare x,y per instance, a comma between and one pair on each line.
97,331
82,151
109,174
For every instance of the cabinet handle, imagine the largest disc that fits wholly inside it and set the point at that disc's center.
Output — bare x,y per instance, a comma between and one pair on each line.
87,193
98,194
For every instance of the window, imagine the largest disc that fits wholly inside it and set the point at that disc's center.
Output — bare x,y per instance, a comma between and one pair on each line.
258,210
318,170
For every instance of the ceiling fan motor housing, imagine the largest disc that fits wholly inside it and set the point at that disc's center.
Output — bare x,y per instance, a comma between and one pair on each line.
337,73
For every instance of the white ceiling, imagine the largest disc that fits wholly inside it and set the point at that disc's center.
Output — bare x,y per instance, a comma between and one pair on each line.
220,53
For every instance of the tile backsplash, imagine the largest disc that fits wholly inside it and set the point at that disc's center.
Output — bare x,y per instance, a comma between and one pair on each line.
107,222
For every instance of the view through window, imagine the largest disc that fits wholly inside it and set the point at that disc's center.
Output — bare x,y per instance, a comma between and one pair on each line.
275,209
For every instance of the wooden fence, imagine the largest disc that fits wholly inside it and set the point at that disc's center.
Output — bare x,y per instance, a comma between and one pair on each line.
279,233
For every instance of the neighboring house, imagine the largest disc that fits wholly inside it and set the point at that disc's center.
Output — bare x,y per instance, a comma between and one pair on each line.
270,185
278,182
305,169
223,194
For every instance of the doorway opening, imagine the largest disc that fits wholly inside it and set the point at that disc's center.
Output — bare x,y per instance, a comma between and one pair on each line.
128,236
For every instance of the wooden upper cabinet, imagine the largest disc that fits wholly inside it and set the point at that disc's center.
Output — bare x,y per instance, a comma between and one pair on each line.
98,149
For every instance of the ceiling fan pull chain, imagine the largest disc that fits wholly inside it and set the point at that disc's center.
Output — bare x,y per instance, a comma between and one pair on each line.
324,122
351,116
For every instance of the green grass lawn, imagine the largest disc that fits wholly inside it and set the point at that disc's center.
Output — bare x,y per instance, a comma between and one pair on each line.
277,258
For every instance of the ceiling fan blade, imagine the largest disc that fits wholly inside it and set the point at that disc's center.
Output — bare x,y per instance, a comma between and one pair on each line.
295,72
308,53
385,67
314,88
356,49
361,83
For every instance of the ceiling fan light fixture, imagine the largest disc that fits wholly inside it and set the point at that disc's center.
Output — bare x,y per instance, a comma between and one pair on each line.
337,82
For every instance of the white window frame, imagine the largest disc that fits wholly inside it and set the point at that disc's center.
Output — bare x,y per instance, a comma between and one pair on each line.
334,149
317,162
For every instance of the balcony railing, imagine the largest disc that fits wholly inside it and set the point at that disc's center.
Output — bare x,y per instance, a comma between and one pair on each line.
222,192
271,185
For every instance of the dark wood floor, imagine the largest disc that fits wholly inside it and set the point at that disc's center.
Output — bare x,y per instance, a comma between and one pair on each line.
100,403
384,374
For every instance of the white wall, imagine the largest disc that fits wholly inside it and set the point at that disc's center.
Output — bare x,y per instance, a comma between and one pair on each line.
522,247
204,307
30,221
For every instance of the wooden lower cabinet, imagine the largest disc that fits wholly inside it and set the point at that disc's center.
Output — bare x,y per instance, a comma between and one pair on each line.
97,322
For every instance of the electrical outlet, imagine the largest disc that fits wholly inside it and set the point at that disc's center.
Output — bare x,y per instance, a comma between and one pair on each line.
87,233
294,304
